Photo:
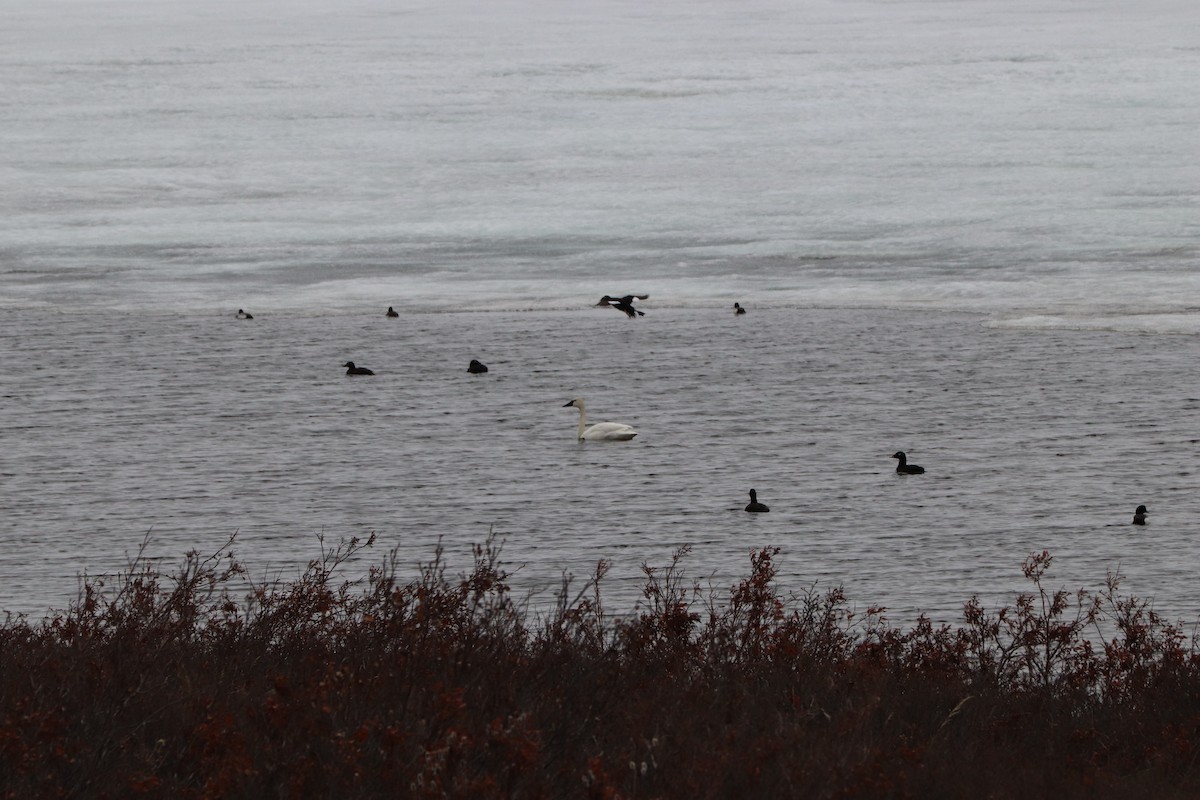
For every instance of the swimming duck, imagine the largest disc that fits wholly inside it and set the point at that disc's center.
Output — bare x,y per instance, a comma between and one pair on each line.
391,312
601,431
475,368
243,315
1139,515
737,309
624,304
754,504
904,468
353,370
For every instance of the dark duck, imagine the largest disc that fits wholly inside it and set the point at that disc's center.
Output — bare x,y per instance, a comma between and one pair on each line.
754,505
904,468
475,368
353,370
1139,515
624,304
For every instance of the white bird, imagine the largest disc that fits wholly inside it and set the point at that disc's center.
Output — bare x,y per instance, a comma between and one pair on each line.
601,431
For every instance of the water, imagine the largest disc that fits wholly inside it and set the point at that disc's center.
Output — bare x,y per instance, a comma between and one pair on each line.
963,230
197,426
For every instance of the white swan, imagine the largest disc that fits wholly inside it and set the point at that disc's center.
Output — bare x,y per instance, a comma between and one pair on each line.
601,431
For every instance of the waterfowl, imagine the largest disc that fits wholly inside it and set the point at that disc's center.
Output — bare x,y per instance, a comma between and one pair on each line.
476,368
353,370
737,309
1139,515
627,299
904,468
391,312
624,304
754,504
243,315
601,431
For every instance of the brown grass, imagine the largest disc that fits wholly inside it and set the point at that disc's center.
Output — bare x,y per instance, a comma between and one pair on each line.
180,686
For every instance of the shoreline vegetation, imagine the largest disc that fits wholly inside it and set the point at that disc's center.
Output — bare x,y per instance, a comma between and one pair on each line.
184,684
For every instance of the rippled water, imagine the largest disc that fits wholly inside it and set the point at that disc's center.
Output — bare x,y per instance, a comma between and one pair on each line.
966,230
1001,156
195,427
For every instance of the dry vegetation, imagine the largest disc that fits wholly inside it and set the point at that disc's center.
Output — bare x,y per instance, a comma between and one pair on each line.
179,686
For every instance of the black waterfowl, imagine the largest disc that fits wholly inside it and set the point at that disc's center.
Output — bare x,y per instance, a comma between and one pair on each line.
1139,515
904,468
627,299
476,368
391,312
353,370
243,315
624,304
754,505
737,309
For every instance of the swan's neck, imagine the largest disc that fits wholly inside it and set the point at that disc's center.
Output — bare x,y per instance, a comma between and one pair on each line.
582,420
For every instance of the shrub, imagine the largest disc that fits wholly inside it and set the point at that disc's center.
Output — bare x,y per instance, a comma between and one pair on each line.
190,684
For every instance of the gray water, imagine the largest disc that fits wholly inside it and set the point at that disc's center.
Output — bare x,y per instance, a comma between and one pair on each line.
1030,160
195,427
966,230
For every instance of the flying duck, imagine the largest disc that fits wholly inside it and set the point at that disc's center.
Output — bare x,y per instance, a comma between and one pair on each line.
624,304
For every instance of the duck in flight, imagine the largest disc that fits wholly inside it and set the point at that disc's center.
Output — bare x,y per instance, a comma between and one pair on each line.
754,505
391,312
1139,515
243,315
353,370
476,368
624,304
904,468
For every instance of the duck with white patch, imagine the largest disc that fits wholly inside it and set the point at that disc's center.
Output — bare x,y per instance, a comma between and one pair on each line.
624,304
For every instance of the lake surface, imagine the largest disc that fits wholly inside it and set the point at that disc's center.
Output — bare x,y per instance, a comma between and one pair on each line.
195,427
964,230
